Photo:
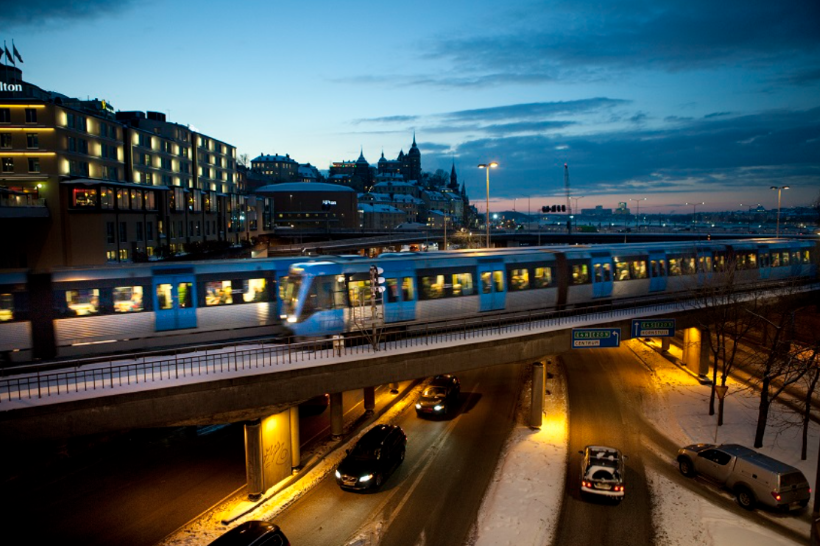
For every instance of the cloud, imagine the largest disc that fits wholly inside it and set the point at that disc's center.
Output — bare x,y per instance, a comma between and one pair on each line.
535,109
708,155
388,119
39,12
584,39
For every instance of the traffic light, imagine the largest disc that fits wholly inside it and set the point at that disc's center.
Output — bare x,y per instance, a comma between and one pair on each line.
376,280
563,208
545,209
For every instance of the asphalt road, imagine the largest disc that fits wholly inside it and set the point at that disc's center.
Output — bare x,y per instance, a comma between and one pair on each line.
601,387
434,496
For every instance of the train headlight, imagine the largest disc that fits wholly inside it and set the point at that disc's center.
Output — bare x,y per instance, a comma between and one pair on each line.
292,318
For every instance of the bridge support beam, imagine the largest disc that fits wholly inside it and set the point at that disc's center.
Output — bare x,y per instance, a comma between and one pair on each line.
295,450
336,415
270,451
665,342
537,395
369,400
695,351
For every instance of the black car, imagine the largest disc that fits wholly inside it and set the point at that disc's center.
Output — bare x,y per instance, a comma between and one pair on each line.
439,397
375,456
253,533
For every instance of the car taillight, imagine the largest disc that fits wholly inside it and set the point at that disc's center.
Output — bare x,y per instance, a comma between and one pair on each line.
618,488
776,496
587,484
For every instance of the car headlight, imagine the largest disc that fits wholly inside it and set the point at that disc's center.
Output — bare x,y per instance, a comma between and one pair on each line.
438,407
338,475
366,478
418,406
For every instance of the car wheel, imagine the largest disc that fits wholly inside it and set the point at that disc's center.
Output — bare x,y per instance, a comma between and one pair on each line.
804,503
686,467
745,498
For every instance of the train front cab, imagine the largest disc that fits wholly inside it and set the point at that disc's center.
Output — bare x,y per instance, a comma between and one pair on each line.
313,299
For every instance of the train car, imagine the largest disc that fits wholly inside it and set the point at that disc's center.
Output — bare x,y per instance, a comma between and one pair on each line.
466,283
74,312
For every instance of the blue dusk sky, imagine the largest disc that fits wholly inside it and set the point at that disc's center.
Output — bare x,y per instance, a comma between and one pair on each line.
674,101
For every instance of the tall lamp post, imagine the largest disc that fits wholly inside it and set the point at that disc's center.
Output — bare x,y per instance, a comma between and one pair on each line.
576,208
779,191
695,211
638,215
487,167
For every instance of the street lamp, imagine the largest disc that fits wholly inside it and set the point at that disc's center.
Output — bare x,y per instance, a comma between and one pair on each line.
488,166
779,190
576,208
695,211
638,215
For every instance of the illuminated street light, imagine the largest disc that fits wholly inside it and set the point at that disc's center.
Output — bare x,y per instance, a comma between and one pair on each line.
695,211
638,215
488,166
779,190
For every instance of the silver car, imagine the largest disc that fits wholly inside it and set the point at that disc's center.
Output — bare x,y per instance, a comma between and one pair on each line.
602,472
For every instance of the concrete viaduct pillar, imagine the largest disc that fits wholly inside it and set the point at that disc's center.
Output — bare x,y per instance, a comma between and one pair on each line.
695,351
336,415
537,395
369,400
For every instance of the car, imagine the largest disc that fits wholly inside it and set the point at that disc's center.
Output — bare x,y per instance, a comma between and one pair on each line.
253,533
373,459
753,477
602,472
439,397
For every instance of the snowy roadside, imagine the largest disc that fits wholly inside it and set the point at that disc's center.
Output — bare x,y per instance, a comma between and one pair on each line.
523,502
679,407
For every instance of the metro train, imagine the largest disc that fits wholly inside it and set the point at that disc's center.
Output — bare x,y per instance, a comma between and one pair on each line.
73,312
333,295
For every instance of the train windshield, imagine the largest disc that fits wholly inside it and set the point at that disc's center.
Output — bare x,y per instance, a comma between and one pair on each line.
289,293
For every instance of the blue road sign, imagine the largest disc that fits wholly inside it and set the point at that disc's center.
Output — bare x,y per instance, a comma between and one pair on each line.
595,338
653,327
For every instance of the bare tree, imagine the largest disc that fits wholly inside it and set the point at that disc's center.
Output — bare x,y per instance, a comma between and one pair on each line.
779,362
726,317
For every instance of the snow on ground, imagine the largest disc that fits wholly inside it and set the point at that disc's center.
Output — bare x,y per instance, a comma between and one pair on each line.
524,499
679,408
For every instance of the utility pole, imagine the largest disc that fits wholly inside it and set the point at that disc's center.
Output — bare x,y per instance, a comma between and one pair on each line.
569,203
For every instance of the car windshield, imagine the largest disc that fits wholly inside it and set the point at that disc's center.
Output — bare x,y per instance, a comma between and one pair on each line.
432,392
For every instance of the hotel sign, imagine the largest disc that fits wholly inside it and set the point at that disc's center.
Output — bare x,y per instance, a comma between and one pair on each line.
11,87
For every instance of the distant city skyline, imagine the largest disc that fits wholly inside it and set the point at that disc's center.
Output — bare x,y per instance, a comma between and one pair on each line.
673,101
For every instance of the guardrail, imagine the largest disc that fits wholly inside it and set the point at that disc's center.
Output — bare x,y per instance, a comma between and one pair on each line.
101,376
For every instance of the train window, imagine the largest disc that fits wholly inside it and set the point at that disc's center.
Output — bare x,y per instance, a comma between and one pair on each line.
408,291
185,292
392,291
704,264
254,290
637,269
164,297
621,270
580,273
83,302
486,282
359,292
764,258
498,280
784,259
218,293
519,279
775,259
806,257
795,257
432,287
751,260
674,267
128,299
543,277
6,307
653,267
662,267
687,266
463,284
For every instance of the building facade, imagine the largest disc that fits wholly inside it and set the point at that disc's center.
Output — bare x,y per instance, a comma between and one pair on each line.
116,186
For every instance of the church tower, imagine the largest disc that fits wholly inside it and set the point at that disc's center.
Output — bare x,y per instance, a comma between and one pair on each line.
412,162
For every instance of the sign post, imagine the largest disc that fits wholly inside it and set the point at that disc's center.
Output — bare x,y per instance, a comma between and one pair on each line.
595,338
